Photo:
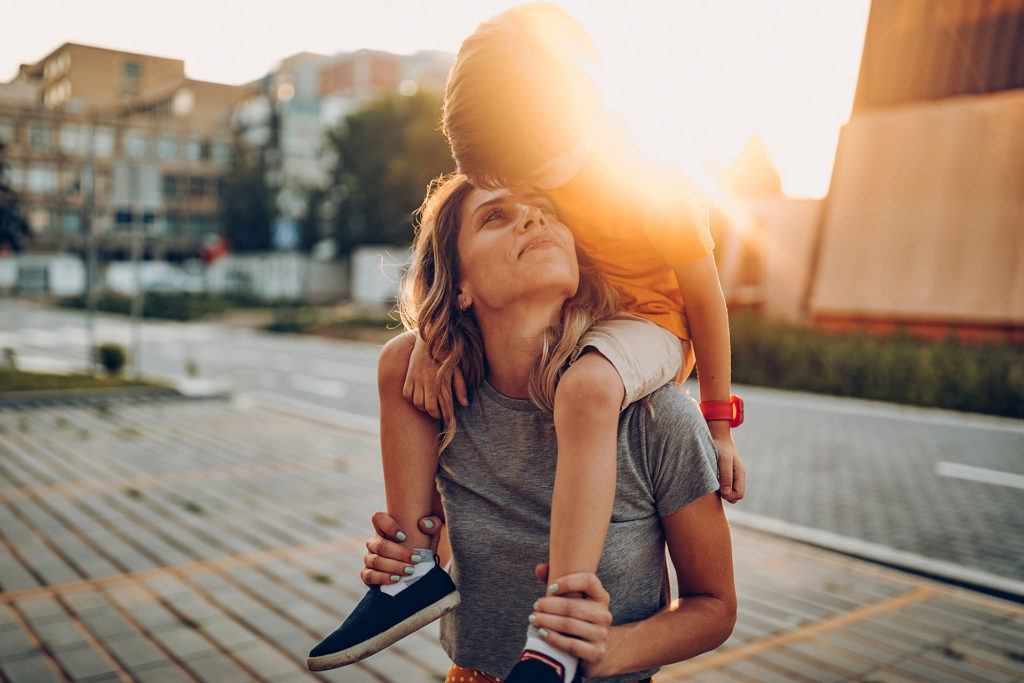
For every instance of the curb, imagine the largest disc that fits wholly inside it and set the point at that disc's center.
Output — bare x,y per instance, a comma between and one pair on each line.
928,567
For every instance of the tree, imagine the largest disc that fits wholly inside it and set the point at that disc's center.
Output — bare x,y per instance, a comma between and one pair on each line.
248,206
386,154
13,227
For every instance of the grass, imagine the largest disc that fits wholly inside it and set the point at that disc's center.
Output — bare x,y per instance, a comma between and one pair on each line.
337,322
20,380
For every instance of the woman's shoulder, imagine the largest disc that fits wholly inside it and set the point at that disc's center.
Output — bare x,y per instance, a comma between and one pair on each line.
674,443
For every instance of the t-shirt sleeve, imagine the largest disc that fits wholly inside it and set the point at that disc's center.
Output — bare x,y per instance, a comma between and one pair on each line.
676,216
681,456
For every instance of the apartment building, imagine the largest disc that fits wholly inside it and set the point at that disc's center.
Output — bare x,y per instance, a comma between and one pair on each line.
120,138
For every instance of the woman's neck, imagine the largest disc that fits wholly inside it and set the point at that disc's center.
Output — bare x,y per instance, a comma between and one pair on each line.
513,340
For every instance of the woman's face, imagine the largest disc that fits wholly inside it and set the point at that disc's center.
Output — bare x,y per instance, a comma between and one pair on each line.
513,249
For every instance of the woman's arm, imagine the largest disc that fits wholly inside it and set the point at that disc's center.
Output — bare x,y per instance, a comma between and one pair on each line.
709,329
703,617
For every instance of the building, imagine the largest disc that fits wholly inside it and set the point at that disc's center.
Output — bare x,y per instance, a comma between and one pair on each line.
923,226
288,113
123,138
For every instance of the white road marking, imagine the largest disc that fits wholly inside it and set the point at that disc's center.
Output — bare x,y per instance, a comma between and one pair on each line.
980,474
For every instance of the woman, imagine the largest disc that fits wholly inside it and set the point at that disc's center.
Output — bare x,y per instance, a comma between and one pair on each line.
515,301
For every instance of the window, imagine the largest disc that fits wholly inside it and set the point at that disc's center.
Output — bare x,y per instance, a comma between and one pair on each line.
136,144
221,152
103,144
72,181
40,135
73,138
8,131
71,223
196,226
170,186
193,150
197,186
123,219
16,176
42,178
132,70
167,148
172,225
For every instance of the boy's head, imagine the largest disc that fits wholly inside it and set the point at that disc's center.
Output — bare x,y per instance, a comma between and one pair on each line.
518,96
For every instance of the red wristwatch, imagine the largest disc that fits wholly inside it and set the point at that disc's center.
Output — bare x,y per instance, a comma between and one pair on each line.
731,410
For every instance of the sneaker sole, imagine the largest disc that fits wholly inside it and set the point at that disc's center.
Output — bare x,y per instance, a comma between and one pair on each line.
386,638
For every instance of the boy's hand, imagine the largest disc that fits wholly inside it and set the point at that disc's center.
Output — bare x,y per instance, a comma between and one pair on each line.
731,474
419,388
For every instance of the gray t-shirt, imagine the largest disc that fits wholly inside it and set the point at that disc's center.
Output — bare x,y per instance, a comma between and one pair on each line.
496,479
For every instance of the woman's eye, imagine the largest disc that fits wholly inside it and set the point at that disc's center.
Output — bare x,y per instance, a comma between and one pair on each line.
493,214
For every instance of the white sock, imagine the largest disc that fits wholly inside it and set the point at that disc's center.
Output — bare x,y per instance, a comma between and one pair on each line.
537,644
424,566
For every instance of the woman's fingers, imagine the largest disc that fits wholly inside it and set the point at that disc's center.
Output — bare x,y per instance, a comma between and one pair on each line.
418,399
385,525
585,650
430,401
582,582
430,525
390,550
445,404
576,608
577,628
384,564
460,388
372,577
541,572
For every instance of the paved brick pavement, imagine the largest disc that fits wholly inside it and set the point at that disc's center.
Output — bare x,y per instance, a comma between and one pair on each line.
216,541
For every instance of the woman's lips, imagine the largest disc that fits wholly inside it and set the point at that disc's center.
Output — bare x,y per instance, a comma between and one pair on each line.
538,242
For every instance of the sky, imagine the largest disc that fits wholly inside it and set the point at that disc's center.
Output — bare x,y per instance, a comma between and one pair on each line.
694,78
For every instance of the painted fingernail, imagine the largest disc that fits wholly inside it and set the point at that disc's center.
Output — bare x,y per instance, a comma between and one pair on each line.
553,588
542,633
536,604
395,577
409,570
429,523
417,558
532,618
400,536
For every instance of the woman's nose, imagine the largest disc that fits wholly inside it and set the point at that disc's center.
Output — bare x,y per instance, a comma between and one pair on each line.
532,217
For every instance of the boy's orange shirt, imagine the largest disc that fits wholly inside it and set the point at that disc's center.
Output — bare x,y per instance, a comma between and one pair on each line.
638,221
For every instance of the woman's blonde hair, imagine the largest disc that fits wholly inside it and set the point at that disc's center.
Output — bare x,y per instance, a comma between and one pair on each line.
429,302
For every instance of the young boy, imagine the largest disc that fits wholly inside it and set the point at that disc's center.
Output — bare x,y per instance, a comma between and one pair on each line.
520,110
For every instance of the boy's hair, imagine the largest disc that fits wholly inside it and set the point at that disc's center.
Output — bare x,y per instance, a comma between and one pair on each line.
518,93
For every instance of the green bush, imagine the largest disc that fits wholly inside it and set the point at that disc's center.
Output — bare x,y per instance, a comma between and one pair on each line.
169,305
292,319
112,357
983,378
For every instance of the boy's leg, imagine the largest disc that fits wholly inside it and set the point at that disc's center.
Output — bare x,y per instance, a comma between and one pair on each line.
408,445
622,360
587,404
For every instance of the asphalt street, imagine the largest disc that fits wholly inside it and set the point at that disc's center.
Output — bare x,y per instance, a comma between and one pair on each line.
934,491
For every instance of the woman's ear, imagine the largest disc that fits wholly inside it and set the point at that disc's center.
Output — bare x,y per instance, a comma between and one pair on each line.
464,300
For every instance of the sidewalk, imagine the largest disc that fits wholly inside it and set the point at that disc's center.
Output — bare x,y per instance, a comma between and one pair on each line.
217,541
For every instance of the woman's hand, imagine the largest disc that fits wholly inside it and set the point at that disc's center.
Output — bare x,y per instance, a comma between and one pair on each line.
387,558
420,384
577,625
732,475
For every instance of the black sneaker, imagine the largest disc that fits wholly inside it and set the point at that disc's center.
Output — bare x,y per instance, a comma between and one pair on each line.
537,667
381,619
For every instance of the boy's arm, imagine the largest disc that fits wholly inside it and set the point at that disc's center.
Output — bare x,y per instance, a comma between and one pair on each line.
709,331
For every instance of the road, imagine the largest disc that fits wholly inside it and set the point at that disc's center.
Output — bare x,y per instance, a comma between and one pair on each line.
930,490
